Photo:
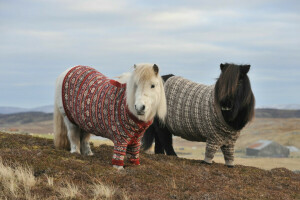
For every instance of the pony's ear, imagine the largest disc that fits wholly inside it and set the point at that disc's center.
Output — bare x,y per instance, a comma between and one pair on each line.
245,69
155,69
162,107
134,66
222,66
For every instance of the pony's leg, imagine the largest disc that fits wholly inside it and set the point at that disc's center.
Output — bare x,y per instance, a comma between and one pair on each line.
73,135
166,140
118,156
228,152
85,148
158,148
210,151
133,150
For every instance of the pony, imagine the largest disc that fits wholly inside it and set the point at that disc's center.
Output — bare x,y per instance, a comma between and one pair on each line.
87,102
213,114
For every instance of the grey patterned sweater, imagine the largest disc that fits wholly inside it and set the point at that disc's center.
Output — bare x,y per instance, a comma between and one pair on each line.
193,115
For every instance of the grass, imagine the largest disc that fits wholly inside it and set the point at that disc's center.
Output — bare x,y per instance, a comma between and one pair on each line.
100,191
279,130
19,182
50,180
16,182
58,174
69,190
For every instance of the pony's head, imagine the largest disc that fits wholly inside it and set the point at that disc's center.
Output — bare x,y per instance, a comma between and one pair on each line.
145,93
234,95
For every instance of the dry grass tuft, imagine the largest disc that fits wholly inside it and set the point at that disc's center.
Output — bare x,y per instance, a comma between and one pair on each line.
16,182
25,177
102,191
70,190
50,181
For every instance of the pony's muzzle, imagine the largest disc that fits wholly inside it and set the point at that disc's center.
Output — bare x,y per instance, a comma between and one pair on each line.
140,109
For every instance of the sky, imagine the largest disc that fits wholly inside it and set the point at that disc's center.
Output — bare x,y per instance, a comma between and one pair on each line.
39,39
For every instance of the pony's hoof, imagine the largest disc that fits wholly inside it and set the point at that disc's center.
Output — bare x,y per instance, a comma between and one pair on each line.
78,152
230,166
89,153
118,167
204,162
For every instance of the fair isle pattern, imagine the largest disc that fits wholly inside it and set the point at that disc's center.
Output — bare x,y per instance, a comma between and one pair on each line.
98,106
193,115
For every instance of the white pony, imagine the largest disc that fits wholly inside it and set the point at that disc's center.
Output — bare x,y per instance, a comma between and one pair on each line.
87,102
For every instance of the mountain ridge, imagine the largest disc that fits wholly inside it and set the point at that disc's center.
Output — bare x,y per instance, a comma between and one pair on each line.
13,110
38,116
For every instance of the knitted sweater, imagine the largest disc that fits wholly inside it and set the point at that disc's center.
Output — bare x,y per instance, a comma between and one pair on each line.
98,106
192,114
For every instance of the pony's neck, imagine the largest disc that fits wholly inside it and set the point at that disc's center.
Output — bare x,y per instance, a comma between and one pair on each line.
238,122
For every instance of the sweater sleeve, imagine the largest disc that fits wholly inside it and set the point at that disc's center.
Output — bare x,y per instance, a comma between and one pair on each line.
133,151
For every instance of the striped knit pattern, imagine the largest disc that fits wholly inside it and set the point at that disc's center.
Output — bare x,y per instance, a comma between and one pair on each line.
98,106
193,115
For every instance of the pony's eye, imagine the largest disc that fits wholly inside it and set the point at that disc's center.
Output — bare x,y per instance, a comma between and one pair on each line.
152,86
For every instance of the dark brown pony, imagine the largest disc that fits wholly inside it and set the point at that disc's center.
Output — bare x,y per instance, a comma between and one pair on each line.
233,96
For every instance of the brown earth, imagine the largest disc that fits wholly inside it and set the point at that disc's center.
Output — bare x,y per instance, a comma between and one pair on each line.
158,176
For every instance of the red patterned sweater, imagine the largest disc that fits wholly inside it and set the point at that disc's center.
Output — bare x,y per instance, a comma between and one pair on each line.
98,106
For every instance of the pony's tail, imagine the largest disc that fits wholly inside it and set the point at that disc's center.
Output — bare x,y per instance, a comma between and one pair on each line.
60,131
148,138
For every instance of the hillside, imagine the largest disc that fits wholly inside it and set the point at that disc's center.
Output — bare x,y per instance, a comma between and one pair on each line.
24,118
59,174
12,110
276,113
30,117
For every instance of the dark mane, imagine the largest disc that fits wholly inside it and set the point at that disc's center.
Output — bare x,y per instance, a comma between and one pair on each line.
234,96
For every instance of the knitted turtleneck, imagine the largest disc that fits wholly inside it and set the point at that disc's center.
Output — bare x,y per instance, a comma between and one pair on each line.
193,114
98,106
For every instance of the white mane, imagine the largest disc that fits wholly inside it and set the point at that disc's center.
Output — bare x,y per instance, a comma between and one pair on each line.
139,92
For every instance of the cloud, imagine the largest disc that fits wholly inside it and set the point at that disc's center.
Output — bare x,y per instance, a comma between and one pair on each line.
95,6
175,19
40,38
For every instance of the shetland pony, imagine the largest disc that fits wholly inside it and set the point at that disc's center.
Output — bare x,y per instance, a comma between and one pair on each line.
87,102
231,98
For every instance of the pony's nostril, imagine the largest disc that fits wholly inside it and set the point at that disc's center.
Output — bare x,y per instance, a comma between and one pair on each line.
140,108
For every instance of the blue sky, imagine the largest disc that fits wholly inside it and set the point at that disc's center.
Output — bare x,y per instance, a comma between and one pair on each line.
39,39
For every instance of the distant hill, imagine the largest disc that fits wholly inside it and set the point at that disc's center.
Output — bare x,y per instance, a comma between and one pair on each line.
283,107
276,113
11,110
23,118
28,117
45,109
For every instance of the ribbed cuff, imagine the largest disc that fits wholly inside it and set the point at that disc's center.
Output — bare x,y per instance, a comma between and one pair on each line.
134,161
118,162
229,162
